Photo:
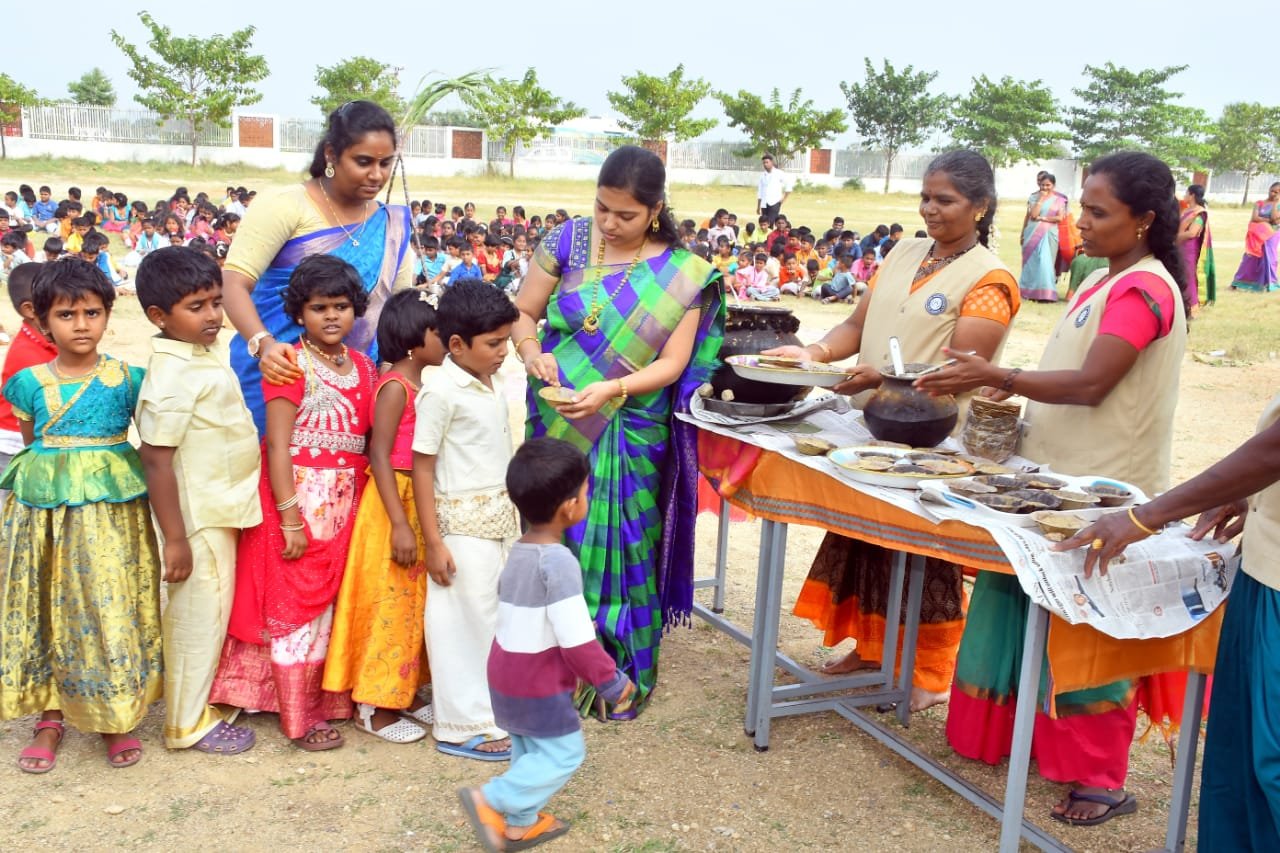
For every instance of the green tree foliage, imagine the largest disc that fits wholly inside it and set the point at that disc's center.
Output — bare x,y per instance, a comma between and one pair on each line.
1246,139
893,109
194,80
93,89
655,108
778,128
516,112
13,97
359,78
1009,121
1132,110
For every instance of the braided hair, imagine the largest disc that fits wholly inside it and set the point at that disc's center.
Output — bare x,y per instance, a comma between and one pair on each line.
971,175
1145,184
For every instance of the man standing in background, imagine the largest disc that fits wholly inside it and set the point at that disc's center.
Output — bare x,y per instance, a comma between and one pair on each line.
773,189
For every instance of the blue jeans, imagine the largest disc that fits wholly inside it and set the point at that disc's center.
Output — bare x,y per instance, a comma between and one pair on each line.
540,766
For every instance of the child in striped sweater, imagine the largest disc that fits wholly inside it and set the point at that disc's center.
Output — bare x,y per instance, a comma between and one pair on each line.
545,643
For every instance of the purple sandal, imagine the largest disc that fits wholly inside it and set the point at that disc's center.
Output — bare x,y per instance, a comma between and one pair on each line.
226,739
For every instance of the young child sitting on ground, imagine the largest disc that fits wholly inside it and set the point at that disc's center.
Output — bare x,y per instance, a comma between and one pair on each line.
200,455
545,643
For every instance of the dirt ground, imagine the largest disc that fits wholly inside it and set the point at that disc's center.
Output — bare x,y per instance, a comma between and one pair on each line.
682,777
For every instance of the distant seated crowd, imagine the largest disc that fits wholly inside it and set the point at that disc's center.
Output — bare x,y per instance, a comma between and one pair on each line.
762,260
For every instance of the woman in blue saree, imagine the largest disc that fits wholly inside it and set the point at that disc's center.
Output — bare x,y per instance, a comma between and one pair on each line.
633,325
1045,210
336,212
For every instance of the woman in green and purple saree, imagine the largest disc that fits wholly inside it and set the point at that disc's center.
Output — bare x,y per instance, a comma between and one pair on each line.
633,327
337,213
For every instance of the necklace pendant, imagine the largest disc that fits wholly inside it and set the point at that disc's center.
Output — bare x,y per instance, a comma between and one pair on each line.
355,242
339,360
590,324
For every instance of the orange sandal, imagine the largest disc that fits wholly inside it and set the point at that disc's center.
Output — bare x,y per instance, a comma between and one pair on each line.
490,827
547,828
39,753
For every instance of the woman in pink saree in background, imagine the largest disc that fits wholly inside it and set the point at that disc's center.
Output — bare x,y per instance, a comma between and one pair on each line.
1045,210
1257,270
1195,242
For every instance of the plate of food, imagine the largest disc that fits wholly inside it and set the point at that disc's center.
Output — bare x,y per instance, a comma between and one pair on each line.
786,371
1019,499
557,395
895,467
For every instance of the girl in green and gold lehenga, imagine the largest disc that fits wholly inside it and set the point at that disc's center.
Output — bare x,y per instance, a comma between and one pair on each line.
634,325
79,569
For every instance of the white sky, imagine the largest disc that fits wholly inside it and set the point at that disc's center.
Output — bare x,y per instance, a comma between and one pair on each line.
581,49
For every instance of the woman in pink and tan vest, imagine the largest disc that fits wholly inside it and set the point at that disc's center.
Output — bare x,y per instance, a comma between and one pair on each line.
1102,402
947,290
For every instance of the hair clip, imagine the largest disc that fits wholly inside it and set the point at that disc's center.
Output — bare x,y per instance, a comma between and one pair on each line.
423,296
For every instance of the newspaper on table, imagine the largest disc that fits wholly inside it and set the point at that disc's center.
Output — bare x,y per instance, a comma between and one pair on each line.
1166,585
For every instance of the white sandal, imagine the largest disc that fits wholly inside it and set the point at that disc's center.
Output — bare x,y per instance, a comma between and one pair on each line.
401,731
425,715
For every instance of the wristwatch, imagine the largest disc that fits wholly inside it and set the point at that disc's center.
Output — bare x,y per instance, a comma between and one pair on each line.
254,344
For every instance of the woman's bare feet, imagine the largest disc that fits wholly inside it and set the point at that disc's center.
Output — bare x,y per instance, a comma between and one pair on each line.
921,699
847,664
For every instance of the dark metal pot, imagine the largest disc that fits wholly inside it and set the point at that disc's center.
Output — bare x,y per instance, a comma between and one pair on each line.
898,412
749,330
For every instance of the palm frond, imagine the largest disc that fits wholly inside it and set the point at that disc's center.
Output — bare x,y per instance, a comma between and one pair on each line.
432,89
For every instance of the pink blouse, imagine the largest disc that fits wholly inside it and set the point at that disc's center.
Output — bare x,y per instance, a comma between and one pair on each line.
402,449
1139,309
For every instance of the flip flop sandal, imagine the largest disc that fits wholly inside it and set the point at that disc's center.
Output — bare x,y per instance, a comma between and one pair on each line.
468,750
122,746
489,826
541,832
401,731
1128,804
226,739
425,715
39,753
320,746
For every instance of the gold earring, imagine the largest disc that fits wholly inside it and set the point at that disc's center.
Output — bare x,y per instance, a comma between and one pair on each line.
328,170
1142,232
655,225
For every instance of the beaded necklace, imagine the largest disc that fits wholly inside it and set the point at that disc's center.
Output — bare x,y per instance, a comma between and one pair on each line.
591,323
931,265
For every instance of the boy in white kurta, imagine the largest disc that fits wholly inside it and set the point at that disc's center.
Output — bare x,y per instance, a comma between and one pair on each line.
461,447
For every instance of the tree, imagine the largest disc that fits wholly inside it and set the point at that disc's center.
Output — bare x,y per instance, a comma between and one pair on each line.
517,112
655,108
892,109
198,81
777,128
1008,121
1246,139
1124,109
358,78
93,88
13,97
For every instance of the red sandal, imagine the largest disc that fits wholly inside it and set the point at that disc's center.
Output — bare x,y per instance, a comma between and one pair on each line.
122,746
39,753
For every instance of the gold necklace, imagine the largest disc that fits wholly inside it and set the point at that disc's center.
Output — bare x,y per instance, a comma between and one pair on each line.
932,264
351,235
338,360
591,323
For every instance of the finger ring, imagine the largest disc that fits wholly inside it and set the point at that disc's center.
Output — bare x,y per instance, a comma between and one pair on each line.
1096,545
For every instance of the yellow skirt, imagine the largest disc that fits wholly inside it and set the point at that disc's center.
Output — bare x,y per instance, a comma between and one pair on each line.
376,650
80,613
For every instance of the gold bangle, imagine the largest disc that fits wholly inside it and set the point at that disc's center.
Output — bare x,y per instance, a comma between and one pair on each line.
1133,516
622,386
291,528
826,349
533,338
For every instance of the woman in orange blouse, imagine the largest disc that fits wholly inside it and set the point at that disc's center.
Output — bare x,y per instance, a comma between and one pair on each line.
947,290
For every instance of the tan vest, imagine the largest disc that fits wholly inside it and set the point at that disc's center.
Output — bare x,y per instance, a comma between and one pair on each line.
1128,435
924,321
1262,528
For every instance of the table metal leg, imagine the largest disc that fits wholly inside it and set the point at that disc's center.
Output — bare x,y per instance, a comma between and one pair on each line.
754,678
722,557
1184,772
765,645
893,615
910,636
1015,792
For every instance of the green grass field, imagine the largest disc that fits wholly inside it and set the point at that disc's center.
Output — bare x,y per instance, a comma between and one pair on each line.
1245,325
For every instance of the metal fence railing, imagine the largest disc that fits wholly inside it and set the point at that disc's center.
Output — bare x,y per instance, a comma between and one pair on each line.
1233,182
852,163
107,124
426,141
300,135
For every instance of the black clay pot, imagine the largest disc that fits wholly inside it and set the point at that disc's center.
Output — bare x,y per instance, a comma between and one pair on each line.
898,412
749,330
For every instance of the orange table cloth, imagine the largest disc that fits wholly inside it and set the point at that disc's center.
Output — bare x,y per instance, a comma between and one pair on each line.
770,485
